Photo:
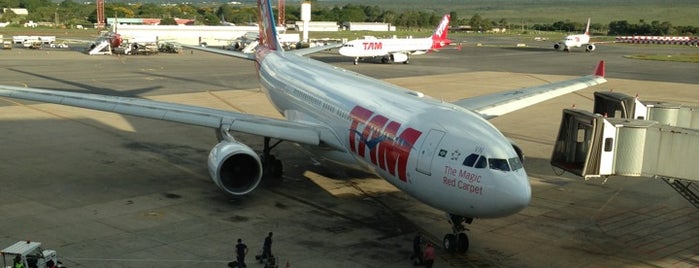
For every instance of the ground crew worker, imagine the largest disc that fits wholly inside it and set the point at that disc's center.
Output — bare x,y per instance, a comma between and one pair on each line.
241,250
267,247
429,255
17,262
417,250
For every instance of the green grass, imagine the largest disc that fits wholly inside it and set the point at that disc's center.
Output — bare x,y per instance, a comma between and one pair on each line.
677,12
690,57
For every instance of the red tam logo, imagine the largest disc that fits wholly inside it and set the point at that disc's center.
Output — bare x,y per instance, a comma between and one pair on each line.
387,149
372,45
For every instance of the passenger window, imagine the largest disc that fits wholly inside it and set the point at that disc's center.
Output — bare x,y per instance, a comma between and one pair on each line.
482,162
470,160
499,164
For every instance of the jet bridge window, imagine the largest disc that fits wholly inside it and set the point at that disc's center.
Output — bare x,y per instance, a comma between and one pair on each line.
499,164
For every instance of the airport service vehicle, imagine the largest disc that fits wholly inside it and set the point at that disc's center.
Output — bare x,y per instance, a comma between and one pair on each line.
30,254
446,155
576,40
395,49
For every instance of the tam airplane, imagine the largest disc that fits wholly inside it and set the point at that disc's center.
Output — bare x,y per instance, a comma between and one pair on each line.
576,40
446,155
397,50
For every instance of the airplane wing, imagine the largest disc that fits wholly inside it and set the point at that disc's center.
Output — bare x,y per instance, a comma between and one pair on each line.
494,105
310,50
237,54
300,132
251,56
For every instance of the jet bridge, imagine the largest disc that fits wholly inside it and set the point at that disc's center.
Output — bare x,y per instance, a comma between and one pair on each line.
652,139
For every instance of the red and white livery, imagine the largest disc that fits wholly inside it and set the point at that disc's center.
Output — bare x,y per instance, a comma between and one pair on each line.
395,49
447,155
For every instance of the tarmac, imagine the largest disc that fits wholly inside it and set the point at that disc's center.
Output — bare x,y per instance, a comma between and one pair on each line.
106,190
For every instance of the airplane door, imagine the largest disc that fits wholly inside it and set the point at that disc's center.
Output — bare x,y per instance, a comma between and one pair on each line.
427,151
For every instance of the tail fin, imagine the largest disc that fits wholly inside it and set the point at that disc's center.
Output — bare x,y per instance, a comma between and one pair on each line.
442,29
268,29
439,37
587,29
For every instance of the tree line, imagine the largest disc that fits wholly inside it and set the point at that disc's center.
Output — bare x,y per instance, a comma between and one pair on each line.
70,13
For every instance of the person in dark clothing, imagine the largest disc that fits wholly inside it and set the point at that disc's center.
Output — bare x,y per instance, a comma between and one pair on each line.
267,247
241,250
417,250
429,255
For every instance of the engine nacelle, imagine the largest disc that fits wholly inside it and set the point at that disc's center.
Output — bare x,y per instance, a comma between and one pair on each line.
590,48
234,167
399,57
557,46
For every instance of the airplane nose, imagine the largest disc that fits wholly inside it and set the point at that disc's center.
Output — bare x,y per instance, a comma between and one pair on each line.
518,196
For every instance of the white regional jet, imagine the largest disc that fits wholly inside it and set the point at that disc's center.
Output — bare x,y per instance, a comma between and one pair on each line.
576,40
446,155
397,50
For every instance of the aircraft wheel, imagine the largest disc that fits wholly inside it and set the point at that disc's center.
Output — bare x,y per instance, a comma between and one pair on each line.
461,243
273,168
279,169
449,243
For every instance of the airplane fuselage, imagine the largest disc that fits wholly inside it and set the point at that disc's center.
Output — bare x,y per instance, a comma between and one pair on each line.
577,40
416,143
383,47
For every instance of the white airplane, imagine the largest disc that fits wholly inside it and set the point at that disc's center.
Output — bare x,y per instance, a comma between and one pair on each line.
576,40
397,50
446,155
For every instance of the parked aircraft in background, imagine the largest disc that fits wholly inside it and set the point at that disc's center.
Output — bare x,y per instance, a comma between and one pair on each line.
446,155
397,50
576,40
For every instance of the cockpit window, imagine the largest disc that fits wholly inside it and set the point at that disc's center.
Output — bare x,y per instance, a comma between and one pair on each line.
470,160
482,162
499,164
515,163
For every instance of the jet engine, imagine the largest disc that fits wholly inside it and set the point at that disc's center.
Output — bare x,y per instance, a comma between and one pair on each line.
557,46
234,167
399,57
590,48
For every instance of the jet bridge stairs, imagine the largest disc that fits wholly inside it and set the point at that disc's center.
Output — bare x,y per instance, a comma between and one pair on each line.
627,137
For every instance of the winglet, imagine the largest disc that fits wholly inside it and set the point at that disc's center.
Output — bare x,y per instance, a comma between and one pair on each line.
600,69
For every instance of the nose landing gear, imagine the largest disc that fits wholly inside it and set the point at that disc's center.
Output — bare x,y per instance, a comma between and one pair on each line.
458,240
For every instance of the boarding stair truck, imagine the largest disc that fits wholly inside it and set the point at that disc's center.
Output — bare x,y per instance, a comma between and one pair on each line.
29,254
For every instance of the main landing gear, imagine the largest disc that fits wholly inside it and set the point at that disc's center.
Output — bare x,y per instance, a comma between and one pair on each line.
271,166
458,240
